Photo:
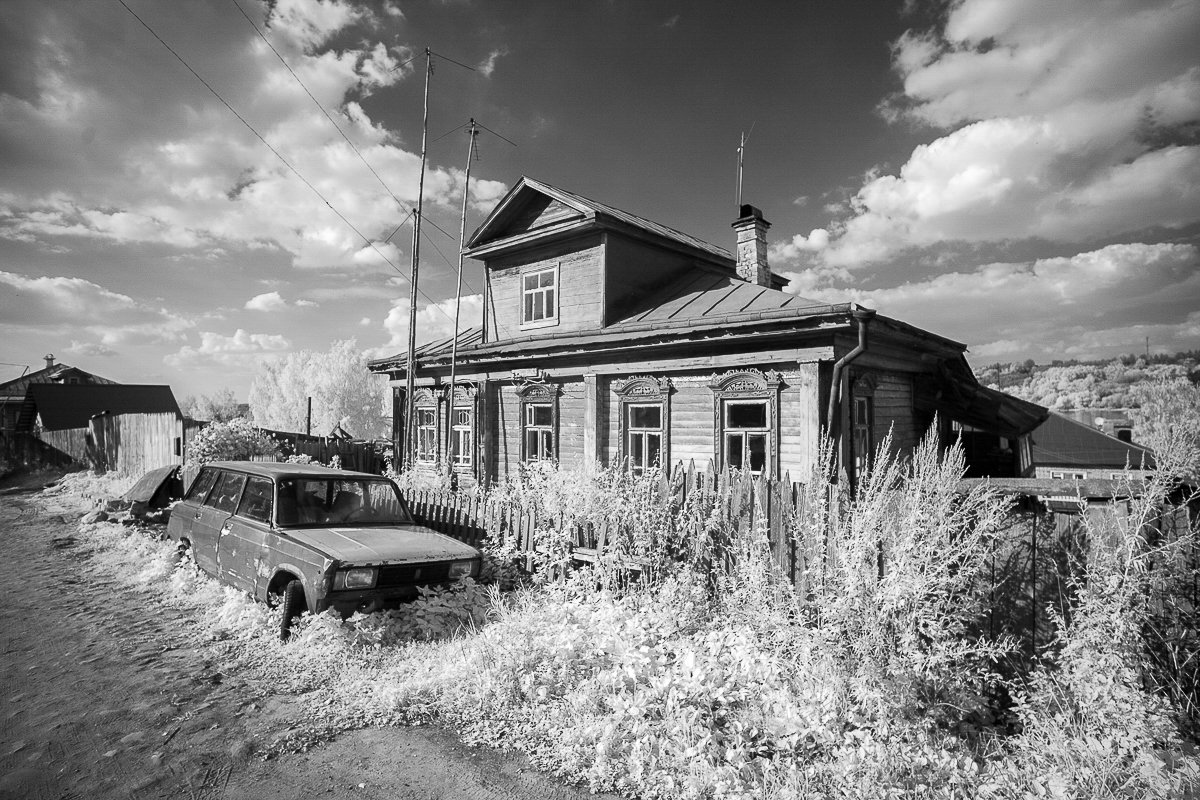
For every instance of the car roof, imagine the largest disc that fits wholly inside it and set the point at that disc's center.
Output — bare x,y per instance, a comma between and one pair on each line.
283,469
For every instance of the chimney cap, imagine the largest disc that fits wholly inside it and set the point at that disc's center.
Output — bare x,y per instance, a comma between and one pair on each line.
749,213
49,360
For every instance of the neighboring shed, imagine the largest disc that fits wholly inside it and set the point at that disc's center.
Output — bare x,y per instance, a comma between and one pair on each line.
130,428
12,392
1062,448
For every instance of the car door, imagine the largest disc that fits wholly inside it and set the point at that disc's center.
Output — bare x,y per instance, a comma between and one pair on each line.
243,541
184,516
209,526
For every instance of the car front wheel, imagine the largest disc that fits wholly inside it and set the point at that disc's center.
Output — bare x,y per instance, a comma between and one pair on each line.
293,606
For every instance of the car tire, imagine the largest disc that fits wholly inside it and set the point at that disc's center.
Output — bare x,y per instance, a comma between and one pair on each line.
293,606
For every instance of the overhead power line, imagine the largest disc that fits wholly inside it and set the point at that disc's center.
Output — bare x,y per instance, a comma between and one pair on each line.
370,242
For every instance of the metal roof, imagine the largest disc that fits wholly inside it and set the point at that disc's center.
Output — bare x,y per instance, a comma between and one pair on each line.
706,295
71,405
1061,441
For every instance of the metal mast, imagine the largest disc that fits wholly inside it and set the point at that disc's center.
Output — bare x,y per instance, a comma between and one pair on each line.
409,387
462,242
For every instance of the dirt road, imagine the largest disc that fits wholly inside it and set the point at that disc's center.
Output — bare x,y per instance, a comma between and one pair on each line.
105,694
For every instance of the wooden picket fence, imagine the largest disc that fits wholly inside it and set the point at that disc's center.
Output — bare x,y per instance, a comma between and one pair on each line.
715,501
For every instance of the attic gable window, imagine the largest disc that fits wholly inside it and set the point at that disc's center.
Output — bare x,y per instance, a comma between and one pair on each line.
539,298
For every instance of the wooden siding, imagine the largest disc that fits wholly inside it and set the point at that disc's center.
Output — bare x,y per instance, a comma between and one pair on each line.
506,417
693,417
894,411
134,444
579,297
72,441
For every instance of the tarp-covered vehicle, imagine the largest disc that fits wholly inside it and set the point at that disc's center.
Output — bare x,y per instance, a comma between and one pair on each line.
313,538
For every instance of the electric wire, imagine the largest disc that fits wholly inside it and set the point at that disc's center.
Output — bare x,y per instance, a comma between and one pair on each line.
279,155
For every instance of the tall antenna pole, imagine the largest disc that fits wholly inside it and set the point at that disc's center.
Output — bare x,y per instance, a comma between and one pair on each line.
462,243
740,151
410,388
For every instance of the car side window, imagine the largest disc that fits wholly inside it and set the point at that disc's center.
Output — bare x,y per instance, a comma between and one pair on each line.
224,496
200,486
257,500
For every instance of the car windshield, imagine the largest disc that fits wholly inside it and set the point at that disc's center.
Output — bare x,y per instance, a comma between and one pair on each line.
320,502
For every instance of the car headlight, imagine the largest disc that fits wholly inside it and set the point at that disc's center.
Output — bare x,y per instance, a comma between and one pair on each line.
356,578
462,569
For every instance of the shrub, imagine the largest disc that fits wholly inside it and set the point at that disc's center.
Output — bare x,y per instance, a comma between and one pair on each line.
234,440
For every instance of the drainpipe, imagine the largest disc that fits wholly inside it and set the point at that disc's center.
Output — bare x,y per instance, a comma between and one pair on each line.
833,419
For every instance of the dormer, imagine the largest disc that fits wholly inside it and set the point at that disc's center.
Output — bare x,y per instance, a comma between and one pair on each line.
556,262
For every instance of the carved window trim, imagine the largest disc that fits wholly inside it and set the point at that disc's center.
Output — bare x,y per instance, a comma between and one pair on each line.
643,390
862,422
427,438
539,394
741,386
465,400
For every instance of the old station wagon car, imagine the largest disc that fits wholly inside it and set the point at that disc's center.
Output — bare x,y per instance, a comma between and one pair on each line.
313,538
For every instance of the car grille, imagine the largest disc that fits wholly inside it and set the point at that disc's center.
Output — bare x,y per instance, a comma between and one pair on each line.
413,574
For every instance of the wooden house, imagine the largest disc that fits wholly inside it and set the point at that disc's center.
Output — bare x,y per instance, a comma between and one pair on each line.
1064,449
608,338
12,393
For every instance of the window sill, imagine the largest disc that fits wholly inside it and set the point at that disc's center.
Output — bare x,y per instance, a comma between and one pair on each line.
541,323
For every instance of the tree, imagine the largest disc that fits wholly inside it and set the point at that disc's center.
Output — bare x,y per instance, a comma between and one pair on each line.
343,392
1168,418
221,406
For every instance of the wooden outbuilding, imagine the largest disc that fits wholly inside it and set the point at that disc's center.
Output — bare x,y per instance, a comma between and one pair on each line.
607,338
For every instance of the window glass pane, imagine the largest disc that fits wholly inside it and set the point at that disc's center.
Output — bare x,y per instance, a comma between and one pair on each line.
224,496
546,279
204,481
528,308
462,417
645,417
547,444
531,445
637,451
746,415
861,410
542,415
257,500
548,310
733,450
757,445
531,281
653,448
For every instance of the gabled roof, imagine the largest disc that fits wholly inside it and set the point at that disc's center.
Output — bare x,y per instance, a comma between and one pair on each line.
706,296
54,374
571,210
1063,442
64,406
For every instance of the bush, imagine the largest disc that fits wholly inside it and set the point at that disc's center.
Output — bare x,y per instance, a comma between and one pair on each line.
235,440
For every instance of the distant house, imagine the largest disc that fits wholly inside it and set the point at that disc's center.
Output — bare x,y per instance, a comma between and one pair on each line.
1062,448
610,338
12,393
116,426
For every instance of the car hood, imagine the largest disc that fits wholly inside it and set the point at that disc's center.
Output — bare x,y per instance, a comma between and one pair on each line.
393,544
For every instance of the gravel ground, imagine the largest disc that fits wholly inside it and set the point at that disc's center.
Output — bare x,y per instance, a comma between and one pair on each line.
105,693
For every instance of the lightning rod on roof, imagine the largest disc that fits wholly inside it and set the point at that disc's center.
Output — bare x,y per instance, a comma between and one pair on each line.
741,150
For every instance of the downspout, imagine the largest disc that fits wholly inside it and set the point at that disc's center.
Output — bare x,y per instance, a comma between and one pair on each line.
833,419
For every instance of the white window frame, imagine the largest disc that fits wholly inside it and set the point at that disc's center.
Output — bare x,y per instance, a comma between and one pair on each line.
643,391
463,437
747,386
1067,475
426,440
540,293
533,396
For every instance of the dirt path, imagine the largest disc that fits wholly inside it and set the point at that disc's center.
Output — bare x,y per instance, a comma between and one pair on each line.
103,694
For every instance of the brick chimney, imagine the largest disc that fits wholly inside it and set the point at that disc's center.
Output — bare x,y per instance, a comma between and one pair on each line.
751,230
49,360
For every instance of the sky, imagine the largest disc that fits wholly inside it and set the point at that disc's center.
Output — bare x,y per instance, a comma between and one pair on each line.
1017,175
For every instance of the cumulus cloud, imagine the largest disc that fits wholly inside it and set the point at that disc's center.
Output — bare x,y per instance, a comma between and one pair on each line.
81,308
1086,303
434,321
269,301
240,349
1064,122
126,147
488,65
